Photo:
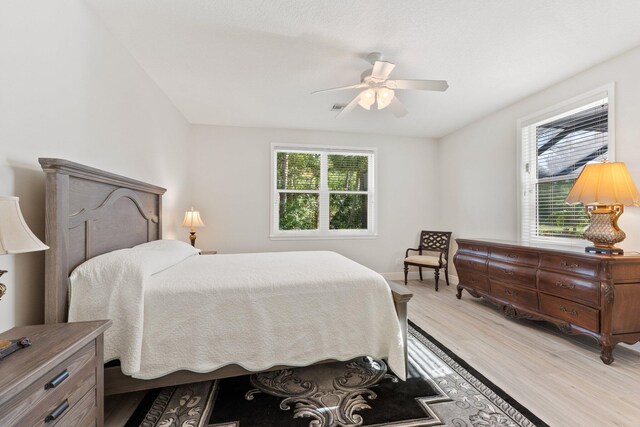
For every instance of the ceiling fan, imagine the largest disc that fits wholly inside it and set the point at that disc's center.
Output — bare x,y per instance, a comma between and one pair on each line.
378,89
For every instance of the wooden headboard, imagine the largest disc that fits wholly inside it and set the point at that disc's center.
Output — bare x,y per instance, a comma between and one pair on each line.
90,212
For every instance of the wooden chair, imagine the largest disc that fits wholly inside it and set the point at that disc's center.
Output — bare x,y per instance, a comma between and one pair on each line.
436,244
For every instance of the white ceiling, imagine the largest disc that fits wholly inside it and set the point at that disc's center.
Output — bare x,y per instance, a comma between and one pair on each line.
254,63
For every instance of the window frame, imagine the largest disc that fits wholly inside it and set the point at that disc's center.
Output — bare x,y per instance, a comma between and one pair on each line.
575,103
323,231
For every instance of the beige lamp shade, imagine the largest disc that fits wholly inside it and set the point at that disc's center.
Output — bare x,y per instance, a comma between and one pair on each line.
192,219
15,235
604,183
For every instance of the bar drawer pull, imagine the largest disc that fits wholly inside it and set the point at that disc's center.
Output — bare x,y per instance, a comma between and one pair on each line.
57,380
510,292
57,412
561,284
571,312
514,256
507,271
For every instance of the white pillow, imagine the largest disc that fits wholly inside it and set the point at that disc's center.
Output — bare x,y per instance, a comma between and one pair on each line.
177,247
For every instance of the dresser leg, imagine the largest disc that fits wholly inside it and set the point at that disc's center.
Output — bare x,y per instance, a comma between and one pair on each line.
459,293
606,355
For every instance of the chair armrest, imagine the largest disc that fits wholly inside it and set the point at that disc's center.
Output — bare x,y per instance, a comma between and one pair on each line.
406,254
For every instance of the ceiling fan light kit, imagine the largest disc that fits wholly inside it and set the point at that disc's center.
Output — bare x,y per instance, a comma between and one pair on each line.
377,88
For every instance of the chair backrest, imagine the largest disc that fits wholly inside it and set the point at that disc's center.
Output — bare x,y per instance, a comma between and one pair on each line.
436,241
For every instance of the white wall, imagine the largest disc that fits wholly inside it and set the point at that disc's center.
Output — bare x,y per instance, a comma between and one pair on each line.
68,89
230,179
479,161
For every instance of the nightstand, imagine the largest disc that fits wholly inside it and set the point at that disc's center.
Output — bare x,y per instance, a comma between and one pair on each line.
58,380
208,252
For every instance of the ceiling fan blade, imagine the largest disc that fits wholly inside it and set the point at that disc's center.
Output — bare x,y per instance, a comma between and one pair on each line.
437,85
382,69
350,106
397,108
358,86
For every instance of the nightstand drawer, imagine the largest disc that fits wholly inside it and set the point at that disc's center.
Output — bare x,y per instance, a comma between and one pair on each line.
83,414
69,381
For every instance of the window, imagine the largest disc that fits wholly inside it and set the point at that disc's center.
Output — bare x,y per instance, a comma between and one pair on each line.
322,192
555,148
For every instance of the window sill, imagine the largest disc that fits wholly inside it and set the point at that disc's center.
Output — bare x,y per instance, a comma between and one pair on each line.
325,237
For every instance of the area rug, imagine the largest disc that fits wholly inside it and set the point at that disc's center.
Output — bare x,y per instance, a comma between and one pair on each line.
441,389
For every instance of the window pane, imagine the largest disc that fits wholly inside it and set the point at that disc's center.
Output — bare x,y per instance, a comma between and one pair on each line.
298,211
555,217
348,211
565,145
298,171
348,173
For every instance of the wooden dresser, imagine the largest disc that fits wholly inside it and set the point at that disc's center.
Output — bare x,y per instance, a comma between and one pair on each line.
58,380
595,295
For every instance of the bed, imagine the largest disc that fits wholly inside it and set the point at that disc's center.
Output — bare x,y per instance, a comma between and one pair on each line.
90,213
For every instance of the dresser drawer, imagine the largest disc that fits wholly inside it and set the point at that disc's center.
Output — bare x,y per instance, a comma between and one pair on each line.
473,279
471,263
512,274
518,296
70,381
570,264
570,287
473,249
571,312
514,256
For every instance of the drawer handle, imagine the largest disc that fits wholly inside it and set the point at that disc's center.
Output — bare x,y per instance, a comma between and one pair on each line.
567,265
510,292
507,271
57,380
571,312
561,284
475,249
514,256
57,412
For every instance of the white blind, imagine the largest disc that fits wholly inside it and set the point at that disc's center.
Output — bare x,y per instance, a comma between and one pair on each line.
554,151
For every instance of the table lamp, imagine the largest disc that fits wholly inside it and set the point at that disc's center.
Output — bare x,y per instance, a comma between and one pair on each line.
15,238
604,188
192,220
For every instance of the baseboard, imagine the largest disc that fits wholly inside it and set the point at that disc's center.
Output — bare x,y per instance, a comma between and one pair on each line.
414,275
399,275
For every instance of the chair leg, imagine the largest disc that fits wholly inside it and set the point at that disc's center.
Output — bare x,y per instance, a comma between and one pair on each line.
406,273
437,274
420,268
446,275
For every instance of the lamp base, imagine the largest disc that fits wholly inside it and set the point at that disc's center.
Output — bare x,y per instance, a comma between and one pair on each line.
3,288
192,237
11,346
606,251
603,230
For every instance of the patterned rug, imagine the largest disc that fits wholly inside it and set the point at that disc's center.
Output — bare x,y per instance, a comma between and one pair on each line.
441,389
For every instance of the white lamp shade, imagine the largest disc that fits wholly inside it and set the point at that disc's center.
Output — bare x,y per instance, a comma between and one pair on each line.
192,219
15,235
367,98
384,97
604,183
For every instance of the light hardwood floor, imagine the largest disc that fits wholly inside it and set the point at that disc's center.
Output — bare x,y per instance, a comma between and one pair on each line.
560,379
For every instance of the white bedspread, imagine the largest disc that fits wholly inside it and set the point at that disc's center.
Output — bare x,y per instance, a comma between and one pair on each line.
254,310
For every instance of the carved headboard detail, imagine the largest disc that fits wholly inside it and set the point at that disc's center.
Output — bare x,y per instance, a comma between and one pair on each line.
90,212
